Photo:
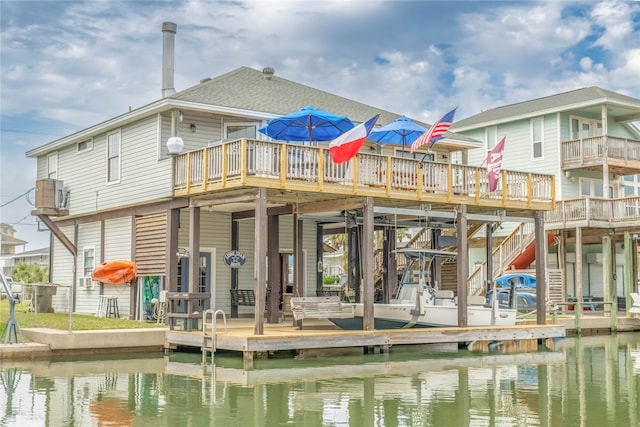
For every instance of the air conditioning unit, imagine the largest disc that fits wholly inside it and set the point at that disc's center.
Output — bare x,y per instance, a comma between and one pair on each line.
51,193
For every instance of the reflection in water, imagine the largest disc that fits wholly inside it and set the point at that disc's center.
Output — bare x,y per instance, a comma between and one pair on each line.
589,381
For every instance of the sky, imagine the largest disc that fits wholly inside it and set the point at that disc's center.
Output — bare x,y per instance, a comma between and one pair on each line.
68,65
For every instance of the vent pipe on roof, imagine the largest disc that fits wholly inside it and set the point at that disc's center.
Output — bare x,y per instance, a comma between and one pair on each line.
268,72
168,44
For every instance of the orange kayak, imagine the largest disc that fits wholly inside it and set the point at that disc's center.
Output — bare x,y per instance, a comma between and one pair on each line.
115,272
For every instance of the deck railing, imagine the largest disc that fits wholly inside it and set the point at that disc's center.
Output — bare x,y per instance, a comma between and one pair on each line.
251,162
585,210
592,150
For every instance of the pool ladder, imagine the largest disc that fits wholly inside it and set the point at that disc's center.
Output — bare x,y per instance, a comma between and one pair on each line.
214,333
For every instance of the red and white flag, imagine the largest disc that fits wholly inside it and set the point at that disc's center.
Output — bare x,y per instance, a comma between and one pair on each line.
494,164
435,132
347,145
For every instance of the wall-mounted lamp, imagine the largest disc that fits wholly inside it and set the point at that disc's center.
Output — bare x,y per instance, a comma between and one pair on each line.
567,174
182,253
175,144
193,127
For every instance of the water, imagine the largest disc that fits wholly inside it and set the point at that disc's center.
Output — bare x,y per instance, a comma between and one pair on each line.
589,381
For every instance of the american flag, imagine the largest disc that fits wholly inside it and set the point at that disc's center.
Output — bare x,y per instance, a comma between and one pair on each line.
435,132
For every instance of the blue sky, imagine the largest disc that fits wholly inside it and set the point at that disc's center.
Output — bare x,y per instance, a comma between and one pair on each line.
67,65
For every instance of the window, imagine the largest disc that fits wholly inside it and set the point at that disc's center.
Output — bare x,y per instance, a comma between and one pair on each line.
536,137
593,188
86,145
89,261
52,166
582,127
631,185
406,154
240,130
113,157
491,137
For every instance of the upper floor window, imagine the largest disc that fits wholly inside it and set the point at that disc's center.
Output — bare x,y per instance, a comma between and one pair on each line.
52,166
582,127
491,136
113,157
240,130
537,129
86,145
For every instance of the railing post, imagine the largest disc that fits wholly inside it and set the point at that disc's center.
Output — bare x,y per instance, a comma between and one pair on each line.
224,164
320,168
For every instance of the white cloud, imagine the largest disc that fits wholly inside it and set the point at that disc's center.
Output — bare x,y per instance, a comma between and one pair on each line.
615,18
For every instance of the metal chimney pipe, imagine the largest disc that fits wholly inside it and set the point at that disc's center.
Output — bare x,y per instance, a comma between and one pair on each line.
168,45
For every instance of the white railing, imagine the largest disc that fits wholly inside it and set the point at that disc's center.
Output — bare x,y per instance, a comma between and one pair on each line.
595,209
591,149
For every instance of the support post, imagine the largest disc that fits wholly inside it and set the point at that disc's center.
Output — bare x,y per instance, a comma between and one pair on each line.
194,249
368,320
273,256
629,278
298,262
463,264
577,309
260,259
608,272
173,222
541,268
235,245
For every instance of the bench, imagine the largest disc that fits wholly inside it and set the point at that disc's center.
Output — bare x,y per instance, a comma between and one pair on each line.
320,308
245,297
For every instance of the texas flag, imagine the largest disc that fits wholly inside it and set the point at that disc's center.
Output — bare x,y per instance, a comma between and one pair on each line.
347,145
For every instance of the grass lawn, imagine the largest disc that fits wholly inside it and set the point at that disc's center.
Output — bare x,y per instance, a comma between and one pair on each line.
81,322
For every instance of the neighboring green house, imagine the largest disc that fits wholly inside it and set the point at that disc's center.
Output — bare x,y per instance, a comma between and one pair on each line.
588,140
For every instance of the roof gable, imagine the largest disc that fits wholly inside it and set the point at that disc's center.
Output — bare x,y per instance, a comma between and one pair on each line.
579,98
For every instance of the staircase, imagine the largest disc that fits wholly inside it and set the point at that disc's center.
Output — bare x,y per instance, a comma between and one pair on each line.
507,251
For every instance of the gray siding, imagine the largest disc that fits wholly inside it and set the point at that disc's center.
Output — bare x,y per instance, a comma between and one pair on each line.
143,176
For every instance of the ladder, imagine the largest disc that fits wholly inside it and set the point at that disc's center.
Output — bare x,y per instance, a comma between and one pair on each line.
209,341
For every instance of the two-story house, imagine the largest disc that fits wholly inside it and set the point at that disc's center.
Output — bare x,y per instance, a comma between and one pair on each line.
588,140
248,211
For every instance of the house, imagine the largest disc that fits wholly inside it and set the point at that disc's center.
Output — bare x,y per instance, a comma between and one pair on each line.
189,177
587,139
39,257
8,242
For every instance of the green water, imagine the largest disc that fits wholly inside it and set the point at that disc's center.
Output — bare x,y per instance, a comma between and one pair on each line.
590,381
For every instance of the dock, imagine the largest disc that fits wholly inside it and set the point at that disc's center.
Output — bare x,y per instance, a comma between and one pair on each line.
321,335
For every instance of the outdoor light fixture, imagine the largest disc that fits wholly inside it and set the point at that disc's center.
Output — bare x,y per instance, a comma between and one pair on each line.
182,253
193,127
175,144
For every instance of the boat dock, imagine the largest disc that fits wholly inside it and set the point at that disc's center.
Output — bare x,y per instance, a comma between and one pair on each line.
320,335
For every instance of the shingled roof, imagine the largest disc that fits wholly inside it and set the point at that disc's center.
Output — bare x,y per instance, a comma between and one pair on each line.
249,89
579,98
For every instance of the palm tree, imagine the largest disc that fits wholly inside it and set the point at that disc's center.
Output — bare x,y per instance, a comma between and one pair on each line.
30,273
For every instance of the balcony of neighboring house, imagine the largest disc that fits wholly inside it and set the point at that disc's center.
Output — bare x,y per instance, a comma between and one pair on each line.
293,172
621,155
593,212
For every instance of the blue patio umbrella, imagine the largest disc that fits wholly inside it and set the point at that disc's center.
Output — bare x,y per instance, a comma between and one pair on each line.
307,124
402,130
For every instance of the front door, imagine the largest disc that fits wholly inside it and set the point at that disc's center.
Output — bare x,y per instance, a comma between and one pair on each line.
204,280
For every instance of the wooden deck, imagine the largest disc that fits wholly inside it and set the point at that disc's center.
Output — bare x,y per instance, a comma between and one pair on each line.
303,169
321,334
